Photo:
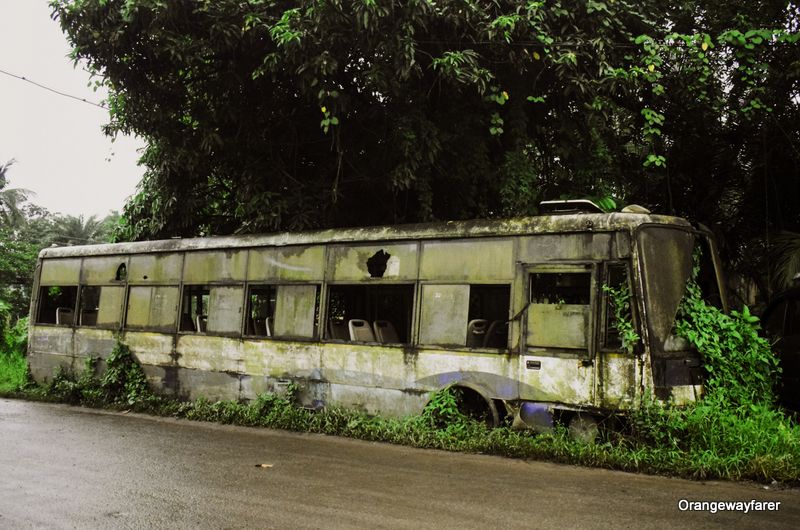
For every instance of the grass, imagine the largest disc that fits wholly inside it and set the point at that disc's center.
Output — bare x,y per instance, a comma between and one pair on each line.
13,371
700,442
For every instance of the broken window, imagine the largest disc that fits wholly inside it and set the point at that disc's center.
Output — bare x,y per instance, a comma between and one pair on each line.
57,305
283,311
707,278
475,316
488,316
370,313
561,288
122,273
89,305
194,308
616,277
376,265
260,310
560,308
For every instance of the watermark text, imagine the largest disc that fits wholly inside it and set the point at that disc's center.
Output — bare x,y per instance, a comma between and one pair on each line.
753,505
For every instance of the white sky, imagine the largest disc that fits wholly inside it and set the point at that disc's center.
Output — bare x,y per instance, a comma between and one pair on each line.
60,150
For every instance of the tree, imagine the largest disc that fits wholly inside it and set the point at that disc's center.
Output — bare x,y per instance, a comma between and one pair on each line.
67,230
11,199
17,252
284,115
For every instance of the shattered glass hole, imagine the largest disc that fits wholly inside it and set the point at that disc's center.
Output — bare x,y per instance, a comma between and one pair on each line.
376,265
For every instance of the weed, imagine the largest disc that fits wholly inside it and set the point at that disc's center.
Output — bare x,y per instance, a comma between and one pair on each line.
13,372
124,381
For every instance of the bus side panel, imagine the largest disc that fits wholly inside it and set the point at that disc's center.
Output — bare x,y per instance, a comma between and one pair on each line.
92,343
618,380
50,348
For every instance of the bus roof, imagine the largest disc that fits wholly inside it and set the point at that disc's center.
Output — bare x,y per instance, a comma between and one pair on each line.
546,224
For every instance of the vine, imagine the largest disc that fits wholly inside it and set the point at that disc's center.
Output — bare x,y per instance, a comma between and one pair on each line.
620,299
740,366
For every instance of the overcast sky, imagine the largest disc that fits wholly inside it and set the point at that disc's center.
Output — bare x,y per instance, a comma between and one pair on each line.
60,151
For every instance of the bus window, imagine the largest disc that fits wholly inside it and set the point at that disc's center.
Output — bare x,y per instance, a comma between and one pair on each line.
487,320
152,308
223,310
559,313
194,313
616,277
364,305
260,311
296,311
109,311
57,305
444,318
89,305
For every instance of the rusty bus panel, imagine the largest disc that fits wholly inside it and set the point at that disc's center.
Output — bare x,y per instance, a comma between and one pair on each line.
217,266
490,260
286,264
155,268
60,272
103,269
389,261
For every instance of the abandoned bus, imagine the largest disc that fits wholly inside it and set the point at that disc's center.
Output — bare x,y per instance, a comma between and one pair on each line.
513,312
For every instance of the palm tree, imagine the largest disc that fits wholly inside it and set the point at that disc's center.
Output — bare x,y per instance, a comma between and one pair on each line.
786,258
11,199
70,230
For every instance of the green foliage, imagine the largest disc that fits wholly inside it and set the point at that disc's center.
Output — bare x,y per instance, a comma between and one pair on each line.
749,443
13,371
442,410
735,426
124,380
674,105
620,298
740,365
25,229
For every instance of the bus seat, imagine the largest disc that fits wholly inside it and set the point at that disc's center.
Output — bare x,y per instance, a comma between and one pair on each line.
200,323
186,323
269,325
89,317
385,332
360,330
497,335
259,327
64,316
337,330
476,331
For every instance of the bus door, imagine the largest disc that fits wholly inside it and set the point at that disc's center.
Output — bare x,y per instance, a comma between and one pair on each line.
557,345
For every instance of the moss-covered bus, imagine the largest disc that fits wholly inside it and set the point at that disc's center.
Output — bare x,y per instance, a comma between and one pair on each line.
511,311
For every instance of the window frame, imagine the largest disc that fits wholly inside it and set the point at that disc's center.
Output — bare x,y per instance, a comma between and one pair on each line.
40,298
275,287
420,307
411,324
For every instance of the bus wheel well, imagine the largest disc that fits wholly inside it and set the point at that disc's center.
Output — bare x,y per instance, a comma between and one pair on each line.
581,425
472,403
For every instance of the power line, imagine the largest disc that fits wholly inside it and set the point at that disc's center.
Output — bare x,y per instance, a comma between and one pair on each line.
54,91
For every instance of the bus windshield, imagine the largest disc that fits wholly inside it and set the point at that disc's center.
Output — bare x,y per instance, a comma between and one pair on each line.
666,257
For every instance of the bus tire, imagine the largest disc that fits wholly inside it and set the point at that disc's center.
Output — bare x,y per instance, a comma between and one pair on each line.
583,427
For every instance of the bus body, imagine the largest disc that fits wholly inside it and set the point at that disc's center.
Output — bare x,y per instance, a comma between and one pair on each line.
377,319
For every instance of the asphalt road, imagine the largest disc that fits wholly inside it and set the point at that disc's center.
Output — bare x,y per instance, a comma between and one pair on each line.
68,467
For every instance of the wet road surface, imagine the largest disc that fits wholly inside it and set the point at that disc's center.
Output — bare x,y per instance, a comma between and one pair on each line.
68,467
